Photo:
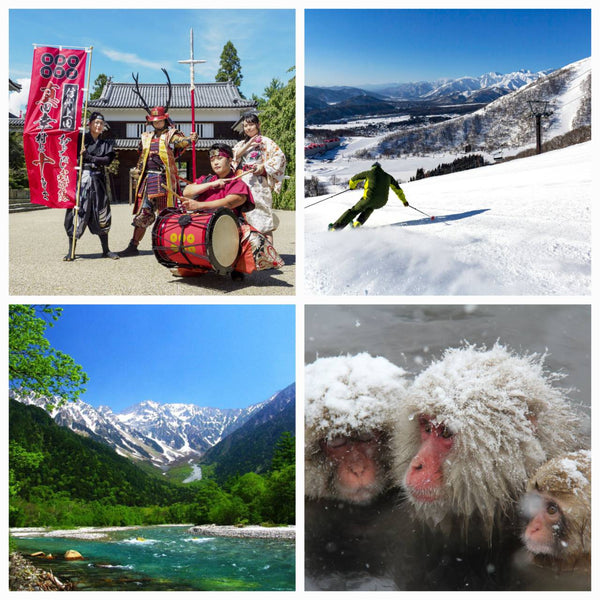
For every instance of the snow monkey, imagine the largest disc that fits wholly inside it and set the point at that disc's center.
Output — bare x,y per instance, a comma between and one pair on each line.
473,429
558,507
349,401
350,509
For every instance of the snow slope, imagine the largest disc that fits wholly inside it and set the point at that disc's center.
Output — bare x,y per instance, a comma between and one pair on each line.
517,228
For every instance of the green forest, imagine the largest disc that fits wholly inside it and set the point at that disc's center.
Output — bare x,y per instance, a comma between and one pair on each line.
61,479
58,478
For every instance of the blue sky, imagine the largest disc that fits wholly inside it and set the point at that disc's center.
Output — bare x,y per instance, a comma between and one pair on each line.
354,47
227,356
145,40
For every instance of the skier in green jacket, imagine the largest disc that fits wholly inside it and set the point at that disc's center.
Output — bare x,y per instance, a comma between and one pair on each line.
377,185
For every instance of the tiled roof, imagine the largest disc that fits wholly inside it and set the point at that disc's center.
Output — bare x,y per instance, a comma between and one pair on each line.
16,123
203,144
207,95
13,86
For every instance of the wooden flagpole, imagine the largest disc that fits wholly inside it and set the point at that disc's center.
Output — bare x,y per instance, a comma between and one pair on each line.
81,150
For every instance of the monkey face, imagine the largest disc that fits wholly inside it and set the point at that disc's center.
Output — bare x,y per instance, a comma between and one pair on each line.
355,463
545,530
424,480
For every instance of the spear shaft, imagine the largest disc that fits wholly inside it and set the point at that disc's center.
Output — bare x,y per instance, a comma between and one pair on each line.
191,61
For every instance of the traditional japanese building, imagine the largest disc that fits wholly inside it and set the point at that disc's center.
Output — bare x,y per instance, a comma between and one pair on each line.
218,111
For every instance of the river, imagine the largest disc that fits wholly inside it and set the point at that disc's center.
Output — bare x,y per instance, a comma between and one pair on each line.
196,474
167,558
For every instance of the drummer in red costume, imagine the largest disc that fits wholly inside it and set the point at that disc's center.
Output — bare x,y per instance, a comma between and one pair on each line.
220,189
225,190
156,169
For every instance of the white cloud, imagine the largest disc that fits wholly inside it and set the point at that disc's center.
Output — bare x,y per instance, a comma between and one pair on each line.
128,58
17,101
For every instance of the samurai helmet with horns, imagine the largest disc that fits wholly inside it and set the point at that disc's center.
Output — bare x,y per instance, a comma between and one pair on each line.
157,113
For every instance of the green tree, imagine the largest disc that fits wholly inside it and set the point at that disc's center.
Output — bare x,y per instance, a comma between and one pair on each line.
99,84
19,460
285,452
278,121
251,488
34,365
17,170
207,495
280,496
229,511
273,87
230,68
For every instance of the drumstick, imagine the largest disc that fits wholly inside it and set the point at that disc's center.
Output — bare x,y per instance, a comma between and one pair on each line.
174,193
184,198
237,176
181,197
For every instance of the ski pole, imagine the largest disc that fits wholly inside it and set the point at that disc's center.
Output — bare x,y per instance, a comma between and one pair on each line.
328,198
423,213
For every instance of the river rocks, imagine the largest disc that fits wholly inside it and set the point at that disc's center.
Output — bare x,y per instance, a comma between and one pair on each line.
41,554
251,531
73,555
25,576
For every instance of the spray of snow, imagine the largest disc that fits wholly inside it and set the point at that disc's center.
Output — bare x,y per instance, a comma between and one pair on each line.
521,227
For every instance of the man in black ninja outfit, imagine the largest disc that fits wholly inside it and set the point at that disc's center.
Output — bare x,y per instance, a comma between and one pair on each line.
94,205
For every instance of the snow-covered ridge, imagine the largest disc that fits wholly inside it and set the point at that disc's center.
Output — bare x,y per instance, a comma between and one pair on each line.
507,122
160,433
467,86
436,89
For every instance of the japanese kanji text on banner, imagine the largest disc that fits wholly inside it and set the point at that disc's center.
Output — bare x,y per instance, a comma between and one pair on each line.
52,125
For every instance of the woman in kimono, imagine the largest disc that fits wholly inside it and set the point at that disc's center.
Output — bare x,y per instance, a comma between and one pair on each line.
265,161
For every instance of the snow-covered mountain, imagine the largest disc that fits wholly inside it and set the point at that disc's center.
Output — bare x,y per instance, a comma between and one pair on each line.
330,104
159,433
457,90
484,88
507,122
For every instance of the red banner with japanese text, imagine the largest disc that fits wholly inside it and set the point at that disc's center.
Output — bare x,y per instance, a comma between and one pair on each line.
52,124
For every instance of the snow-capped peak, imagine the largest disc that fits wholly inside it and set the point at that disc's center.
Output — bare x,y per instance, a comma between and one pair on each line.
161,433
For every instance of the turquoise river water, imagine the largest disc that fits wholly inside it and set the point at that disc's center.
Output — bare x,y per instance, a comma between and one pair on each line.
168,558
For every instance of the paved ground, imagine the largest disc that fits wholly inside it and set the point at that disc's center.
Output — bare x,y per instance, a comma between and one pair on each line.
38,243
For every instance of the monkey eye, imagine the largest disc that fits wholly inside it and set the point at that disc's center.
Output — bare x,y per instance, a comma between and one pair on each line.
552,508
446,433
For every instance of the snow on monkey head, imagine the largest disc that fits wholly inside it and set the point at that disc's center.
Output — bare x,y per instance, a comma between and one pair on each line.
473,428
348,409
